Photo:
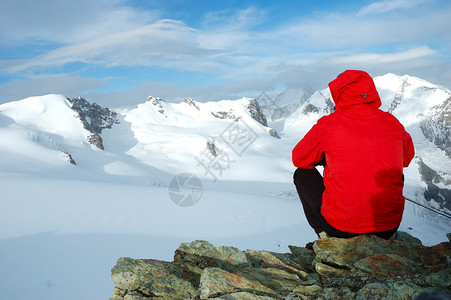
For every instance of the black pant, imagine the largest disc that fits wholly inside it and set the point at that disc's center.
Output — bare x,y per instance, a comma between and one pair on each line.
310,187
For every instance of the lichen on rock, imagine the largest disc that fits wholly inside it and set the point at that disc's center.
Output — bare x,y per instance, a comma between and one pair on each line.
364,267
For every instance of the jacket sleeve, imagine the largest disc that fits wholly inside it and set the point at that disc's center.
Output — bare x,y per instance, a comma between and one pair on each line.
308,153
409,151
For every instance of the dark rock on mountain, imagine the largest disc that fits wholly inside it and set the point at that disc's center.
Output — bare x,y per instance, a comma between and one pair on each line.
157,102
433,191
272,132
212,148
94,118
364,267
399,96
69,158
437,127
225,115
191,102
256,112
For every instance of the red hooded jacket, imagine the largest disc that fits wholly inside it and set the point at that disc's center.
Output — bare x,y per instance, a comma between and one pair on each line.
365,150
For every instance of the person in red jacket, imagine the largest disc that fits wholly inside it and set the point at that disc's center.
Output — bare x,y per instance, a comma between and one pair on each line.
363,150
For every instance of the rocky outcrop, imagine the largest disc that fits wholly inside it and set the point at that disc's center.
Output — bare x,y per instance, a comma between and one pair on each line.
364,267
157,102
212,148
191,102
94,119
256,112
68,157
437,126
438,187
225,115
399,96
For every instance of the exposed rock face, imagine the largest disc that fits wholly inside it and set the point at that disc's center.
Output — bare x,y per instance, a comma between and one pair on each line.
364,267
157,102
437,127
399,96
256,112
225,115
94,118
434,181
212,148
68,157
191,102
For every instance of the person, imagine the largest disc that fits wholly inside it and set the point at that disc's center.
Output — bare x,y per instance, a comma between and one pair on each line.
363,150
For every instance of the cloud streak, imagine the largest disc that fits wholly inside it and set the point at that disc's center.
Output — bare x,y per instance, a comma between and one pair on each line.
236,46
388,5
67,22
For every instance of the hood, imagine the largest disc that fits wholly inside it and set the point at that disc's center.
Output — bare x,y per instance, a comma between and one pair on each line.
352,88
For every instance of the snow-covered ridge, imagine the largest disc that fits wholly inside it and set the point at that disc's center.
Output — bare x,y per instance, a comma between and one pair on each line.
173,136
51,114
115,202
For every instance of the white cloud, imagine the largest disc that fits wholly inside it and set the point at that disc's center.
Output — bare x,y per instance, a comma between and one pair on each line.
305,51
64,21
388,5
338,31
160,43
378,58
230,20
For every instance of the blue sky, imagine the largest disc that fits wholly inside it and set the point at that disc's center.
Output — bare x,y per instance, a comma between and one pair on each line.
118,52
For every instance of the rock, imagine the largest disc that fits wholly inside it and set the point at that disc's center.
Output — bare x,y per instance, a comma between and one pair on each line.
364,267
212,148
153,278
389,290
405,237
280,281
389,265
243,296
191,102
204,254
68,157
256,112
96,140
345,252
225,115
438,187
263,259
157,102
437,127
94,119
273,133
216,282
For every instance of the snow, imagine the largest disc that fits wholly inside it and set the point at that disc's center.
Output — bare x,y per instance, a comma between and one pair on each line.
63,226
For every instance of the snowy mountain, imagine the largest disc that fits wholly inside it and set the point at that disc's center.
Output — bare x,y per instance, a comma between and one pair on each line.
285,103
71,170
